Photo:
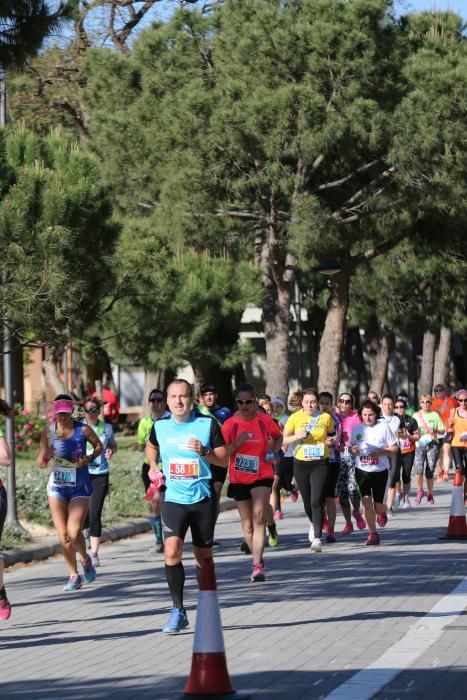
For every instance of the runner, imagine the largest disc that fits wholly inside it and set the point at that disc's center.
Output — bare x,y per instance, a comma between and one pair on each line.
405,398
430,428
284,470
5,461
334,443
372,442
186,442
209,397
249,436
394,423
457,433
69,487
374,397
408,436
158,407
307,430
347,486
99,473
443,404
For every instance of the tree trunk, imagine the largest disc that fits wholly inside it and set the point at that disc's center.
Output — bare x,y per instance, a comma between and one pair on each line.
277,280
425,385
442,357
355,360
52,377
379,380
332,341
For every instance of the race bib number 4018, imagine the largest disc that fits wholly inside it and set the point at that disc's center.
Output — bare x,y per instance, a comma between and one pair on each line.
313,451
184,469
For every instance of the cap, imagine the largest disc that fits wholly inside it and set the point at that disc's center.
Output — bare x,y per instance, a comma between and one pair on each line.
277,399
462,392
208,388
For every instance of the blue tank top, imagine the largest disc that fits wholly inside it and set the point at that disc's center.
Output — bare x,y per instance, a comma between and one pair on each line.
73,447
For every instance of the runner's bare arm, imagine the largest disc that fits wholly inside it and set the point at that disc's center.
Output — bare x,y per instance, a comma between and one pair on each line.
91,437
152,456
45,453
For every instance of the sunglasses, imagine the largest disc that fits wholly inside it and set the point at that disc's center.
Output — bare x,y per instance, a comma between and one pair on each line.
91,410
462,400
399,405
345,401
438,390
246,402
156,400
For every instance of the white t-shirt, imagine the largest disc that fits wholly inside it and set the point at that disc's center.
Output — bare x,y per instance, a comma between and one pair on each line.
371,439
394,423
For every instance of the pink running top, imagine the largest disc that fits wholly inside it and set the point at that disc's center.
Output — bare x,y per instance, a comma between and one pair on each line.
348,423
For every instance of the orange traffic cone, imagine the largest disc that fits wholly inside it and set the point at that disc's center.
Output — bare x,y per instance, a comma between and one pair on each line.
209,674
457,527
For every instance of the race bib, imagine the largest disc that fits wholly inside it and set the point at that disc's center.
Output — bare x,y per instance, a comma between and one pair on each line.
246,463
63,476
313,451
184,469
425,440
368,461
404,444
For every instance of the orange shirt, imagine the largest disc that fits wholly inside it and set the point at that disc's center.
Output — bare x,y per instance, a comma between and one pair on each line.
443,407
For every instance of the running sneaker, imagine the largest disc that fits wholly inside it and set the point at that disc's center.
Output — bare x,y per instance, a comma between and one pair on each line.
5,607
325,525
278,515
382,519
359,519
372,539
294,496
406,503
177,621
430,500
390,513
245,548
311,533
316,545
75,582
348,529
258,573
330,537
397,500
418,497
445,476
273,539
95,559
89,571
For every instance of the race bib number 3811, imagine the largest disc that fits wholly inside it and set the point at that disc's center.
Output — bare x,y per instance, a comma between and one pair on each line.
184,469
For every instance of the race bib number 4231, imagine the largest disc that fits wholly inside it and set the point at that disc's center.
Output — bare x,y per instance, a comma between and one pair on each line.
184,469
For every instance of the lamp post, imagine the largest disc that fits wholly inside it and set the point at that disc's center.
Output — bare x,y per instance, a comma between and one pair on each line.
12,513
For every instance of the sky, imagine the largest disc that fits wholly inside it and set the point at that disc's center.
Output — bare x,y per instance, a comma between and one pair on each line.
458,6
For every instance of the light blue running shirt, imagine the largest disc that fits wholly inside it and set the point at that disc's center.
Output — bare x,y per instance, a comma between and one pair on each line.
188,476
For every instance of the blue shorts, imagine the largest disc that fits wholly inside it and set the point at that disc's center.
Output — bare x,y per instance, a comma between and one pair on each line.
82,488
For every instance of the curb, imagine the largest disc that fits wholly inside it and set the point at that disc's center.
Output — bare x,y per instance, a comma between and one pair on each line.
49,546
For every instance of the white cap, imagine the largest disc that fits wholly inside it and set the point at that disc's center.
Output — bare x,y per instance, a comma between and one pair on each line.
277,399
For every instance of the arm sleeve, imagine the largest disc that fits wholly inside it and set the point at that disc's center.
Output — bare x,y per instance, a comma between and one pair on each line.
153,437
217,438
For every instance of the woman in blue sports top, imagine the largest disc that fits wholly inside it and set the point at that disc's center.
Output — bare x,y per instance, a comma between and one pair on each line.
69,487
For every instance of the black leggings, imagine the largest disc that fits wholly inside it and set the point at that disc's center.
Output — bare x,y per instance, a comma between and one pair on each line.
312,480
100,489
460,459
403,461
285,473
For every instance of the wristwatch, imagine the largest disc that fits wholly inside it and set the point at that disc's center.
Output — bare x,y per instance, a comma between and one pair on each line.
206,451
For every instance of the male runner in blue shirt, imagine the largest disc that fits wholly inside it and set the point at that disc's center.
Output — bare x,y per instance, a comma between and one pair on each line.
186,443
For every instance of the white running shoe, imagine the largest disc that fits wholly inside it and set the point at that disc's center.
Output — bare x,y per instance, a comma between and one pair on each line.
316,545
397,501
406,504
311,533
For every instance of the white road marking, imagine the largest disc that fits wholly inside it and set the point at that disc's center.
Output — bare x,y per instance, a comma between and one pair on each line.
420,637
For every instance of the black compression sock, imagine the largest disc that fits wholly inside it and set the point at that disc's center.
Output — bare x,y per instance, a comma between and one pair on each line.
176,579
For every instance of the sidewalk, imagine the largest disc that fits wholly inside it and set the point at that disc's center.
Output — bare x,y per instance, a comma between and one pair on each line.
305,633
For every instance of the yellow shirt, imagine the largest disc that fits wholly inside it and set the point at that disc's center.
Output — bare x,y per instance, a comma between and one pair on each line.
313,447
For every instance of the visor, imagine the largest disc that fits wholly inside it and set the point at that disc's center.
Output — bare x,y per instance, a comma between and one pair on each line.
63,406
